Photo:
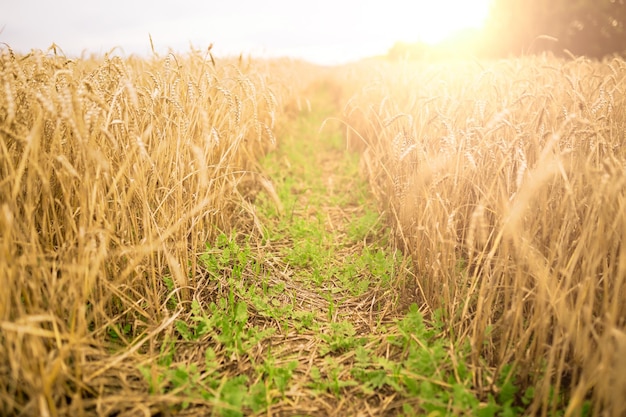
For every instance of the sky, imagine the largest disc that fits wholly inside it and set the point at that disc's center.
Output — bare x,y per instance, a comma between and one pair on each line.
321,31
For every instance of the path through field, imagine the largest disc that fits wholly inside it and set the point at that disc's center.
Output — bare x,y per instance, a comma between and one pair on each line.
329,255
308,314
320,286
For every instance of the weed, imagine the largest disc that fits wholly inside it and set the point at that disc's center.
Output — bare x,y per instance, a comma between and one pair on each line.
277,376
329,378
363,226
339,337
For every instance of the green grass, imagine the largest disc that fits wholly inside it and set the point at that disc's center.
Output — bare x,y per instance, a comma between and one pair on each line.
308,313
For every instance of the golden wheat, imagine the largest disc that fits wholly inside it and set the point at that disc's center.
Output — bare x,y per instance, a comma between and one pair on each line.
113,174
509,196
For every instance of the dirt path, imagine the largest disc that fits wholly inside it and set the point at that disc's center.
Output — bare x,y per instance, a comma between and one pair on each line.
326,251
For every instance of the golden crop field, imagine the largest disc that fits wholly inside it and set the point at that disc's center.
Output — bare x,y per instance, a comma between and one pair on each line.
112,172
502,184
505,181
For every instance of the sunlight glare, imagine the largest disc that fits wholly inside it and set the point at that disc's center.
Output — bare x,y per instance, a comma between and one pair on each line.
435,21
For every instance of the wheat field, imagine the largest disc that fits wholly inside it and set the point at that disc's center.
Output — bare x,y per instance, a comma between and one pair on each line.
113,172
503,181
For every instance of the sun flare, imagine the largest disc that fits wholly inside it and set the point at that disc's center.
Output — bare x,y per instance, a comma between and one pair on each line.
433,21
